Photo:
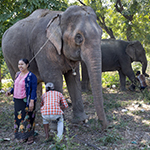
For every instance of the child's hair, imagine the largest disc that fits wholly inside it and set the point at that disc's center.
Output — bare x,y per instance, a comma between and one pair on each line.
49,86
48,89
138,72
26,61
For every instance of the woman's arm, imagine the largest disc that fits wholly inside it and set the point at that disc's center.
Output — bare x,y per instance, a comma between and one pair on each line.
33,87
33,92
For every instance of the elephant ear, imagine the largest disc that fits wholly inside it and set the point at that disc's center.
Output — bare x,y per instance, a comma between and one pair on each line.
54,34
130,50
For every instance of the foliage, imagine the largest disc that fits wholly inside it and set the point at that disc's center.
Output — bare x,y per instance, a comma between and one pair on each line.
123,19
12,10
7,85
109,79
136,66
146,95
5,72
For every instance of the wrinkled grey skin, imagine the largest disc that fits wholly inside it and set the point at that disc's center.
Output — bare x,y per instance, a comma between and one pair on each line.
74,35
117,55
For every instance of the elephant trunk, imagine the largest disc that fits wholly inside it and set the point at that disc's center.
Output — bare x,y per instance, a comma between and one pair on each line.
94,67
144,66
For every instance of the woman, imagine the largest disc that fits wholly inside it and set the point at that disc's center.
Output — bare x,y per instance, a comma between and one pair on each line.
24,95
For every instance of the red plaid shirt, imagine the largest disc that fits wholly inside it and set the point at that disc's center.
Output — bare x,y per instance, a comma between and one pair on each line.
50,103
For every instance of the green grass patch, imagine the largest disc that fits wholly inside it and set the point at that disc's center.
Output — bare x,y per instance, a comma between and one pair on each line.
109,79
111,137
111,104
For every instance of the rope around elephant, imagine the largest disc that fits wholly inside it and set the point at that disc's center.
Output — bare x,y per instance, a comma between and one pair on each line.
42,46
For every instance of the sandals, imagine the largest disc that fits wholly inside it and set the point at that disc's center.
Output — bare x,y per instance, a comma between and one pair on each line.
30,140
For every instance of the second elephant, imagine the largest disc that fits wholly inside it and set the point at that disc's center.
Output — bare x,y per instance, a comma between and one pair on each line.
117,55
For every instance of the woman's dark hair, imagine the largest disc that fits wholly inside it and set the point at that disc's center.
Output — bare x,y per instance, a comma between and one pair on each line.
26,61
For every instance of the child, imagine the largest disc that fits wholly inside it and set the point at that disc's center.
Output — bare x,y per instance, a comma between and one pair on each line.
52,104
141,79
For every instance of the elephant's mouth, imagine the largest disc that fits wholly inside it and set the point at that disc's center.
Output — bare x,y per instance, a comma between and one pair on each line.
73,56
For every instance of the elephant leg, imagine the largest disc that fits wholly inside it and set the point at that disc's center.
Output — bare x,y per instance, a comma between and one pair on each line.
12,70
128,71
74,89
122,80
132,78
85,83
49,73
39,94
39,90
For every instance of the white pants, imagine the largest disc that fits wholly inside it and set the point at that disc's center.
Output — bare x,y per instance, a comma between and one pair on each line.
60,124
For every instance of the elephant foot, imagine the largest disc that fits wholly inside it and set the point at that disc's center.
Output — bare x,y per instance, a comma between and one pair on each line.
85,90
104,124
123,89
146,75
79,118
132,88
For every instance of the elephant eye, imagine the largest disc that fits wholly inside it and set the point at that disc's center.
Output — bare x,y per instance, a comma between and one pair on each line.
78,39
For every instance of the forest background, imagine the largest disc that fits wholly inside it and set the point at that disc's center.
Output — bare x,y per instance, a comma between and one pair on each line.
119,19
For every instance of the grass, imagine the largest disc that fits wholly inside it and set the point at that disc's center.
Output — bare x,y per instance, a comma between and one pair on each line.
111,137
124,127
88,136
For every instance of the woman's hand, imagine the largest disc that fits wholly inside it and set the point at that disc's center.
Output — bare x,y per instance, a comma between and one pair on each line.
31,105
7,93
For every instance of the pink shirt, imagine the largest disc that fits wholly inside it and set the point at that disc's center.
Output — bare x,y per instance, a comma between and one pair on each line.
19,87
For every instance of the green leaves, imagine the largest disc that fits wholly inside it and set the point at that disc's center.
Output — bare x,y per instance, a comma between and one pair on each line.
124,19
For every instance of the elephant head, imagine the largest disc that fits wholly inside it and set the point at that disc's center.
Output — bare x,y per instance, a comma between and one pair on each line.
137,53
76,34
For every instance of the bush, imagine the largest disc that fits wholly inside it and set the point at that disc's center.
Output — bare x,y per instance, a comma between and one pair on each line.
110,78
6,84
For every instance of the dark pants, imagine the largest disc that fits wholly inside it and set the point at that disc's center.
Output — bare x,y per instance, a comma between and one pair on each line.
24,120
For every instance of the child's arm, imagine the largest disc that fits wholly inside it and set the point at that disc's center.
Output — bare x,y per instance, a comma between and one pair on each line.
63,102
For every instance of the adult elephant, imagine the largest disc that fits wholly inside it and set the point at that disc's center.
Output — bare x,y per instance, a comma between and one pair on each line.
117,55
58,41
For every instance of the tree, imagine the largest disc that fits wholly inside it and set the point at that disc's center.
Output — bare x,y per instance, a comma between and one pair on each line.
101,11
123,19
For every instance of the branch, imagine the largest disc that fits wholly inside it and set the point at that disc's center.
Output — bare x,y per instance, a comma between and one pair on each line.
104,26
102,23
121,9
81,3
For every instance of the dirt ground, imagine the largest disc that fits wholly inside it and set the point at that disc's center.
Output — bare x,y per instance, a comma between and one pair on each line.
128,114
